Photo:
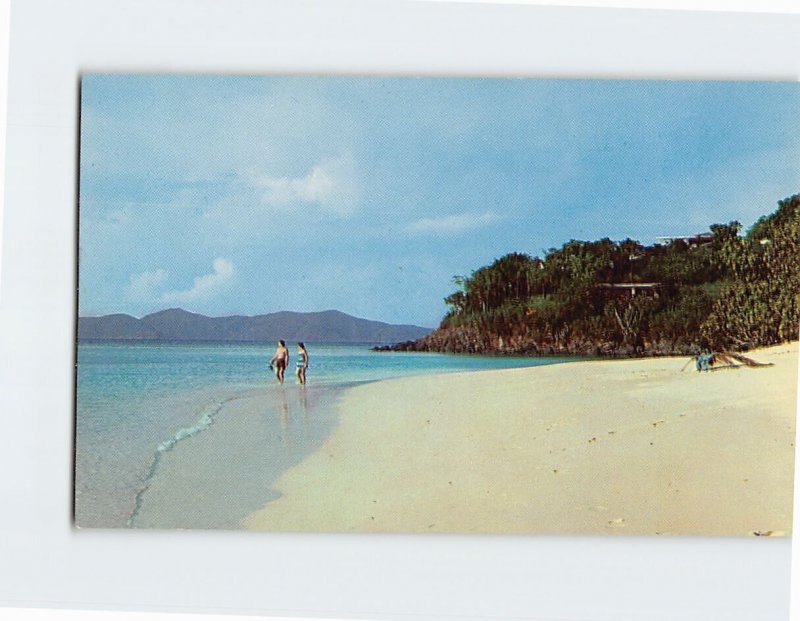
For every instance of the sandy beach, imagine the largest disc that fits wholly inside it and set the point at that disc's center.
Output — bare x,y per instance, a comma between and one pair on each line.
636,447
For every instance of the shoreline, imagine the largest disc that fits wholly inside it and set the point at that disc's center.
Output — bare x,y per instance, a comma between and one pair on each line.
626,446
148,455
254,436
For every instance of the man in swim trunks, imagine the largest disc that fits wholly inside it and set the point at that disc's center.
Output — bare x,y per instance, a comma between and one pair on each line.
280,360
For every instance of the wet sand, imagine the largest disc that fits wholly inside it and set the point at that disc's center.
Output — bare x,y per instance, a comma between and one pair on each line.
212,478
618,447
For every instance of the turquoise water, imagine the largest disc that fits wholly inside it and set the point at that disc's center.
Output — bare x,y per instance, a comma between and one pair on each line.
192,435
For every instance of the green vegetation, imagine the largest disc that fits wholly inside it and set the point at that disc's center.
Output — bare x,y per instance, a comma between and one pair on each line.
721,290
760,306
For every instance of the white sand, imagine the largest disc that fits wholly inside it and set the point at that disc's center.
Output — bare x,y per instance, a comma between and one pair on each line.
633,446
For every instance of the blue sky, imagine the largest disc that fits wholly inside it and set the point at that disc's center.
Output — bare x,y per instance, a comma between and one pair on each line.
248,195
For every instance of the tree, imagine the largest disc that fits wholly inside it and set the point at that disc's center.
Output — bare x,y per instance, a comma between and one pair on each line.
760,306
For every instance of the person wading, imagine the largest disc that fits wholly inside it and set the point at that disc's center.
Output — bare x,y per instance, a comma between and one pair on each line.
302,363
280,361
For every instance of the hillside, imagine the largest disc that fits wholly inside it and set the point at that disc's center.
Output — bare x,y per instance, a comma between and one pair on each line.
717,290
179,325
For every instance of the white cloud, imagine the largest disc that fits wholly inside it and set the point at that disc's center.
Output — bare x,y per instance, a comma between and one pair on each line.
204,286
453,225
330,185
143,286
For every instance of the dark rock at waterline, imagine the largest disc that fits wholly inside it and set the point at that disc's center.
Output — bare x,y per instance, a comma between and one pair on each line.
471,340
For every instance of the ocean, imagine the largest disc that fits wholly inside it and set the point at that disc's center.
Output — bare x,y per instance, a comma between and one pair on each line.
193,435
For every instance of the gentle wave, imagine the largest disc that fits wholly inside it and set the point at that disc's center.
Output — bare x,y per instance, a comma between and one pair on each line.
204,422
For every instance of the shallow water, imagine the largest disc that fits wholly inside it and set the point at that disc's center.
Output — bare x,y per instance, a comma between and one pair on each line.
176,435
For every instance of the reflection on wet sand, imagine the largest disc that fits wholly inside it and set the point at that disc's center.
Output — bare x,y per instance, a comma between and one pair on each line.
284,411
283,417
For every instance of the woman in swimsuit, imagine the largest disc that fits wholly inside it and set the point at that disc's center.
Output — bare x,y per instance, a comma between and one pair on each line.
302,363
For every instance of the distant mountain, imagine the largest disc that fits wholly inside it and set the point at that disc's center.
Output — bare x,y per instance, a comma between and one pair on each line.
179,325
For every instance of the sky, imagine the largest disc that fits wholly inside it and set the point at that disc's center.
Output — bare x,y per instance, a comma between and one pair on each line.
249,195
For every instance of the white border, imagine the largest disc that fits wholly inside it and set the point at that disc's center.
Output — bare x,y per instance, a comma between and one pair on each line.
45,562
741,6
4,30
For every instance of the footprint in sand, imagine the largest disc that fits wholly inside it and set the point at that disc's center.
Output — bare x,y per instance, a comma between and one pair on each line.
769,533
618,523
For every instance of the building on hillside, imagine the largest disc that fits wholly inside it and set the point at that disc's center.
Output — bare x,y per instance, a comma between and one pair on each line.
692,241
630,289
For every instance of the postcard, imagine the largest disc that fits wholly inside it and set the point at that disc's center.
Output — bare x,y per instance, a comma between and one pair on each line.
437,305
